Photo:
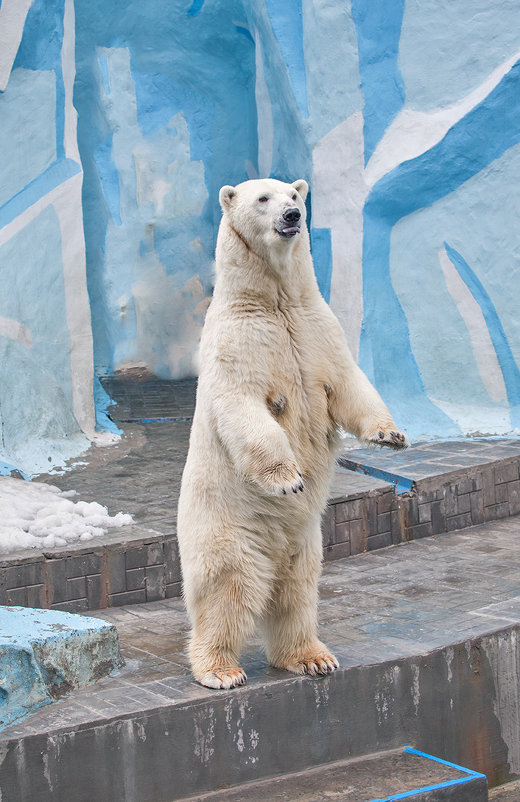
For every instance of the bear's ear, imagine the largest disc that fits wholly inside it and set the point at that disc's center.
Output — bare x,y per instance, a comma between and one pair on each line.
226,196
301,186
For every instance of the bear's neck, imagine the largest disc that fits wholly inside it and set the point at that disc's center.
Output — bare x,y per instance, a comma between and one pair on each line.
244,277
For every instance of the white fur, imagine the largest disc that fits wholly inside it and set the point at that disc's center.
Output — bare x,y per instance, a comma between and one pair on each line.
276,381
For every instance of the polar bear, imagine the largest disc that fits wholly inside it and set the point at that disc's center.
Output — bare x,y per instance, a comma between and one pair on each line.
276,383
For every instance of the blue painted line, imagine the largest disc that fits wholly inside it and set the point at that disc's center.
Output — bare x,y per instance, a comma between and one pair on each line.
321,248
180,419
378,29
287,23
195,8
53,176
401,483
412,751
505,357
471,775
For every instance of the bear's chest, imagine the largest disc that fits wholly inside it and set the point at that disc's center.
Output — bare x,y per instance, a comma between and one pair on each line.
297,369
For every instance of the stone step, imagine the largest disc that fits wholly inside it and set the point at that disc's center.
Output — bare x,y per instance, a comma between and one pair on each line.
406,774
426,635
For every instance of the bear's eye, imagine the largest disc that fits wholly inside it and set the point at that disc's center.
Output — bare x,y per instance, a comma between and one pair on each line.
294,197
263,199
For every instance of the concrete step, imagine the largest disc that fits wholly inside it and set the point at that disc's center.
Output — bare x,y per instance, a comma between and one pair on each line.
398,774
427,637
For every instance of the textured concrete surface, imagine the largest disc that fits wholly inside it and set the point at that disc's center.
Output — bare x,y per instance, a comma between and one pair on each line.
46,653
506,793
377,778
427,638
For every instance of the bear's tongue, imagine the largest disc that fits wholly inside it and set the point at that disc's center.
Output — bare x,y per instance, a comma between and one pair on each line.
292,230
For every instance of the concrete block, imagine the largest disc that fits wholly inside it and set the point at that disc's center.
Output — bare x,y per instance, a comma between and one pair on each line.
384,522
154,582
425,513
45,653
463,503
342,532
328,525
172,560
514,497
506,472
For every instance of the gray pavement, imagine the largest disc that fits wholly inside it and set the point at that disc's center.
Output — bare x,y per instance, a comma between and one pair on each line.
398,602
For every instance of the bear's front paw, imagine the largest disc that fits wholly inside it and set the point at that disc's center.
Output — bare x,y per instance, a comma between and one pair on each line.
281,479
393,438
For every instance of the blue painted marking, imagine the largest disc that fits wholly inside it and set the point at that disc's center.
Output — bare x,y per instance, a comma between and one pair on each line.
195,8
471,775
180,419
378,27
102,401
109,178
40,49
287,23
55,175
471,144
412,751
103,68
159,98
322,258
505,357
6,470
245,32
480,137
401,483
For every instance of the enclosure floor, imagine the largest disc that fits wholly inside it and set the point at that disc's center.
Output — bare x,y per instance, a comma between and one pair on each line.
142,473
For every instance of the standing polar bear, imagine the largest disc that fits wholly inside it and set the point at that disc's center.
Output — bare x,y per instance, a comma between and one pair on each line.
276,382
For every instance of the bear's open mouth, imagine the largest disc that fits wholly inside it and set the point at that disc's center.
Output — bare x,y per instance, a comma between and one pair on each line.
288,232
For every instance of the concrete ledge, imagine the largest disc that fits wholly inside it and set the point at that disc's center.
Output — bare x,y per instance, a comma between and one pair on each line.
452,702
46,653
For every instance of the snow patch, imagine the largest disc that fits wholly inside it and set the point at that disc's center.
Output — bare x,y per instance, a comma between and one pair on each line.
41,516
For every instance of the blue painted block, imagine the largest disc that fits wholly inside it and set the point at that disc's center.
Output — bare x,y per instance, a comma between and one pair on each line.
46,653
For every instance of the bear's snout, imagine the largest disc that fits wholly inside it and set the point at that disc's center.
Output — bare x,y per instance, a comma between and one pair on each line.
290,222
291,215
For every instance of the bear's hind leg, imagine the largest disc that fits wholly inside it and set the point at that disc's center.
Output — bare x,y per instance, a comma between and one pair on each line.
291,623
223,617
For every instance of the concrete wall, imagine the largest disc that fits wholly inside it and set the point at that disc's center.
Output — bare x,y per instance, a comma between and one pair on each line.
404,117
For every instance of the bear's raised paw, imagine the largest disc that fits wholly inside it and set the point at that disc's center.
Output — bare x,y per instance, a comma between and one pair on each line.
392,438
282,479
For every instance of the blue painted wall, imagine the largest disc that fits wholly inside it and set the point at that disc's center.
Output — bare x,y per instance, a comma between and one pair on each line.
413,205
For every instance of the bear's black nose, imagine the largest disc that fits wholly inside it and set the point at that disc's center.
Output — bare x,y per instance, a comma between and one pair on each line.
291,215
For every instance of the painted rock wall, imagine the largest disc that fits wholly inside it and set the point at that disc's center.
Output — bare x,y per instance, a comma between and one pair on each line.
404,118
46,367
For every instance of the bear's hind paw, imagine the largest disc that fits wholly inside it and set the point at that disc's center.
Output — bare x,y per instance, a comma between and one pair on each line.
322,662
223,679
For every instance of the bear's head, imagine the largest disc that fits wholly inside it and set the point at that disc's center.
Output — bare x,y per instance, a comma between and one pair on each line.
265,213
